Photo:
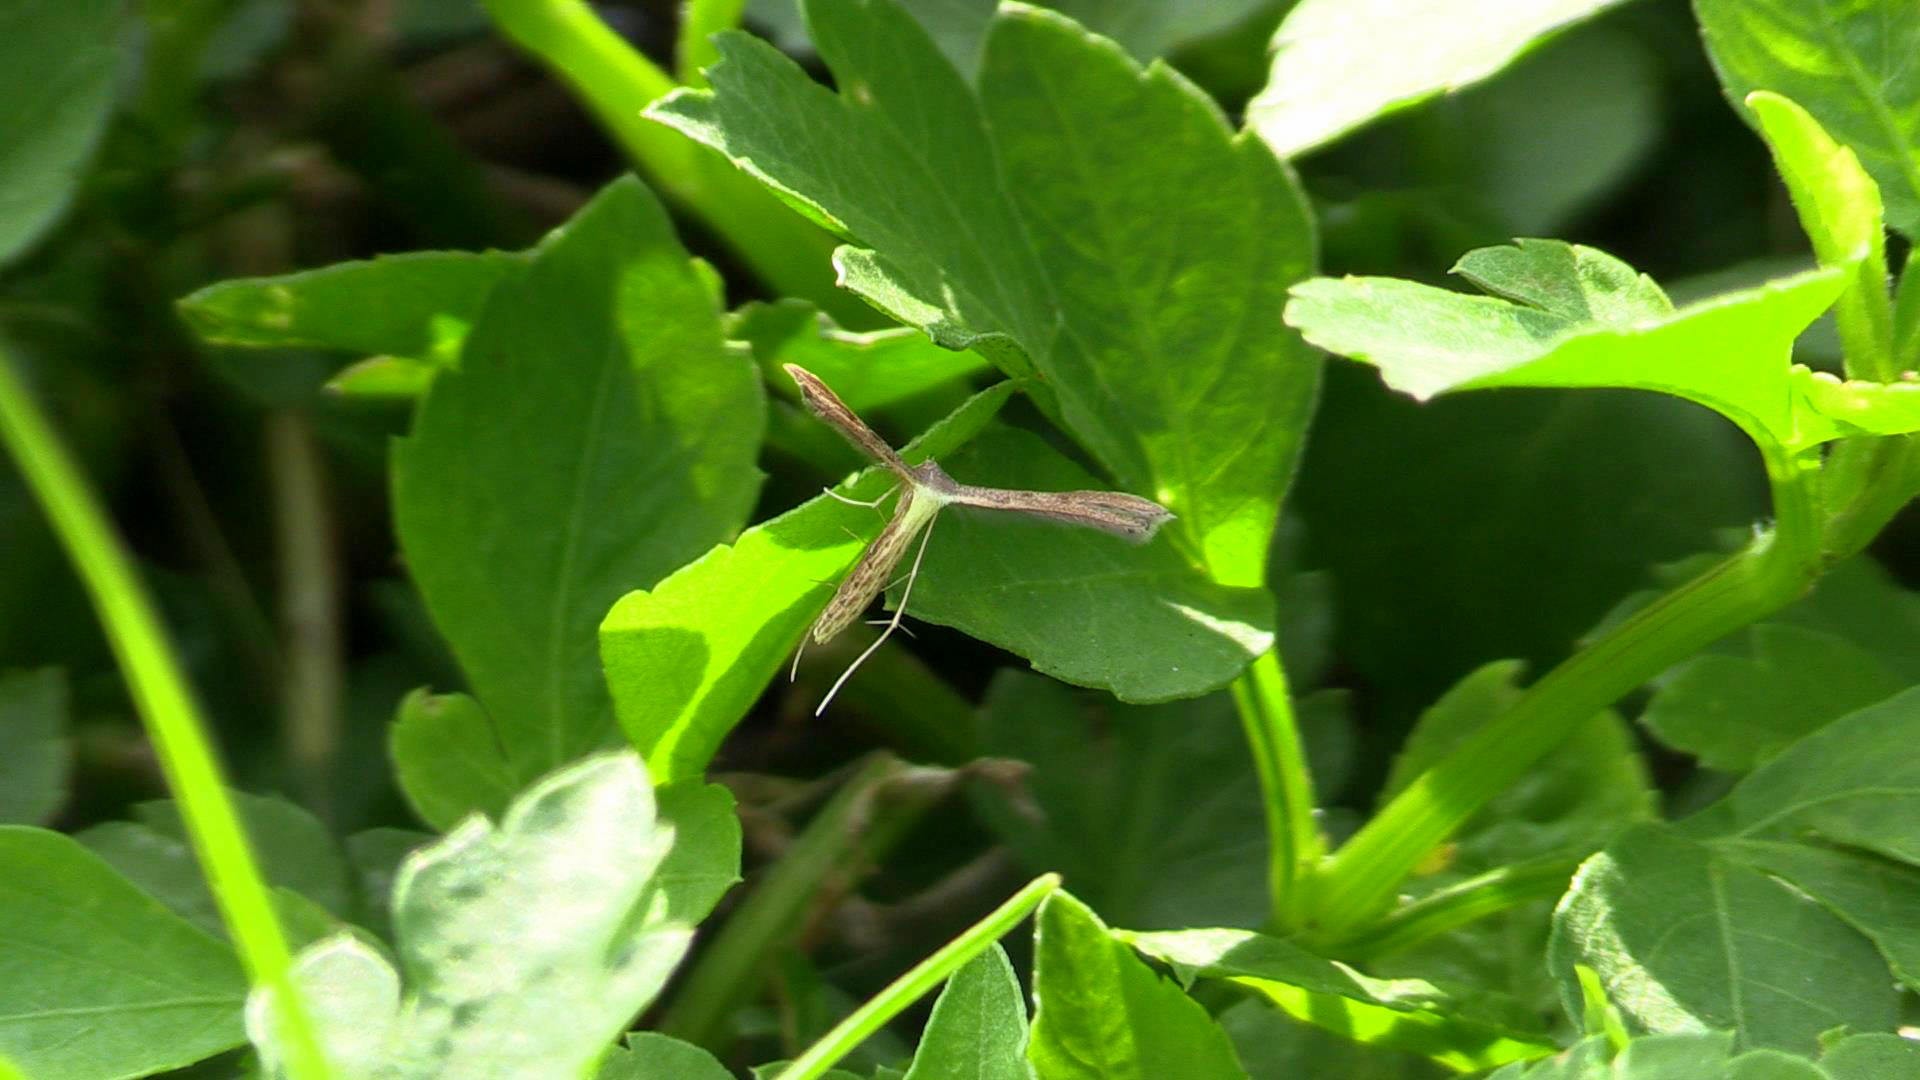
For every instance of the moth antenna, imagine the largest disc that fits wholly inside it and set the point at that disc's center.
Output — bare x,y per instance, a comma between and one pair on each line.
793,673
892,624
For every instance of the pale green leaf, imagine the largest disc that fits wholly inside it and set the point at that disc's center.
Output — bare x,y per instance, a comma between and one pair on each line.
396,378
59,60
1856,405
1100,1013
101,980
687,658
528,946
1852,65
1731,353
597,434
1339,63
1027,216
1411,1015
33,745
1687,938
978,1028
1735,710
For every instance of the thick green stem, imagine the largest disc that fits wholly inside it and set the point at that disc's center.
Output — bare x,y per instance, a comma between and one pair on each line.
617,82
900,994
1359,881
1469,901
166,705
1286,784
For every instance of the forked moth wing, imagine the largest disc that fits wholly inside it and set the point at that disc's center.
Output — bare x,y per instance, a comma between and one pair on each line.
1129,517
825,404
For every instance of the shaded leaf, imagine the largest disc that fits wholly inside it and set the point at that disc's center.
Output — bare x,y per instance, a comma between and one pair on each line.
1153,813
1735,710
61,61
868,370
33,745
649,1055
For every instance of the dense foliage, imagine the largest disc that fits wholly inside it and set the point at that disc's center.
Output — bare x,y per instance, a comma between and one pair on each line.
1524,684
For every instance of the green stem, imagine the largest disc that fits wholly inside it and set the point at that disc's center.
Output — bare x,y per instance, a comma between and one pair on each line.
1457,905
166,705
1286,784
1360,879
900,994
617,83
699,21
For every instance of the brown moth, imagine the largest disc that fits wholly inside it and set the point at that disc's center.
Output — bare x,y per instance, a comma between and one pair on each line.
925,489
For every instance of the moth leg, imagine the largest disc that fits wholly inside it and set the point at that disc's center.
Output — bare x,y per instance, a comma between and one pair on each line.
892,624
869,505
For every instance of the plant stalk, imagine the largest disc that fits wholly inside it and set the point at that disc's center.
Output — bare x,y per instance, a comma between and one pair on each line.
1286,785
1359,881
167,707
900,994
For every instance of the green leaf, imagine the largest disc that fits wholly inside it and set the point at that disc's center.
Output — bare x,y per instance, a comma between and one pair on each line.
1403,1014
33,745
1856,405
294,850
1154,813
1101,1013
1733,711
1082,606
528,946
1271,1043
1746,955
448,760
1144,315
686,659
1846,64
1579,284
383,378
1691,1056
101,980
868,371
1853,782
419,305
1339,63
1145,28
1839,208
978,1029
649,1055
1870,1057
1862,603
1730,353
1879,898
61,59
597,434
